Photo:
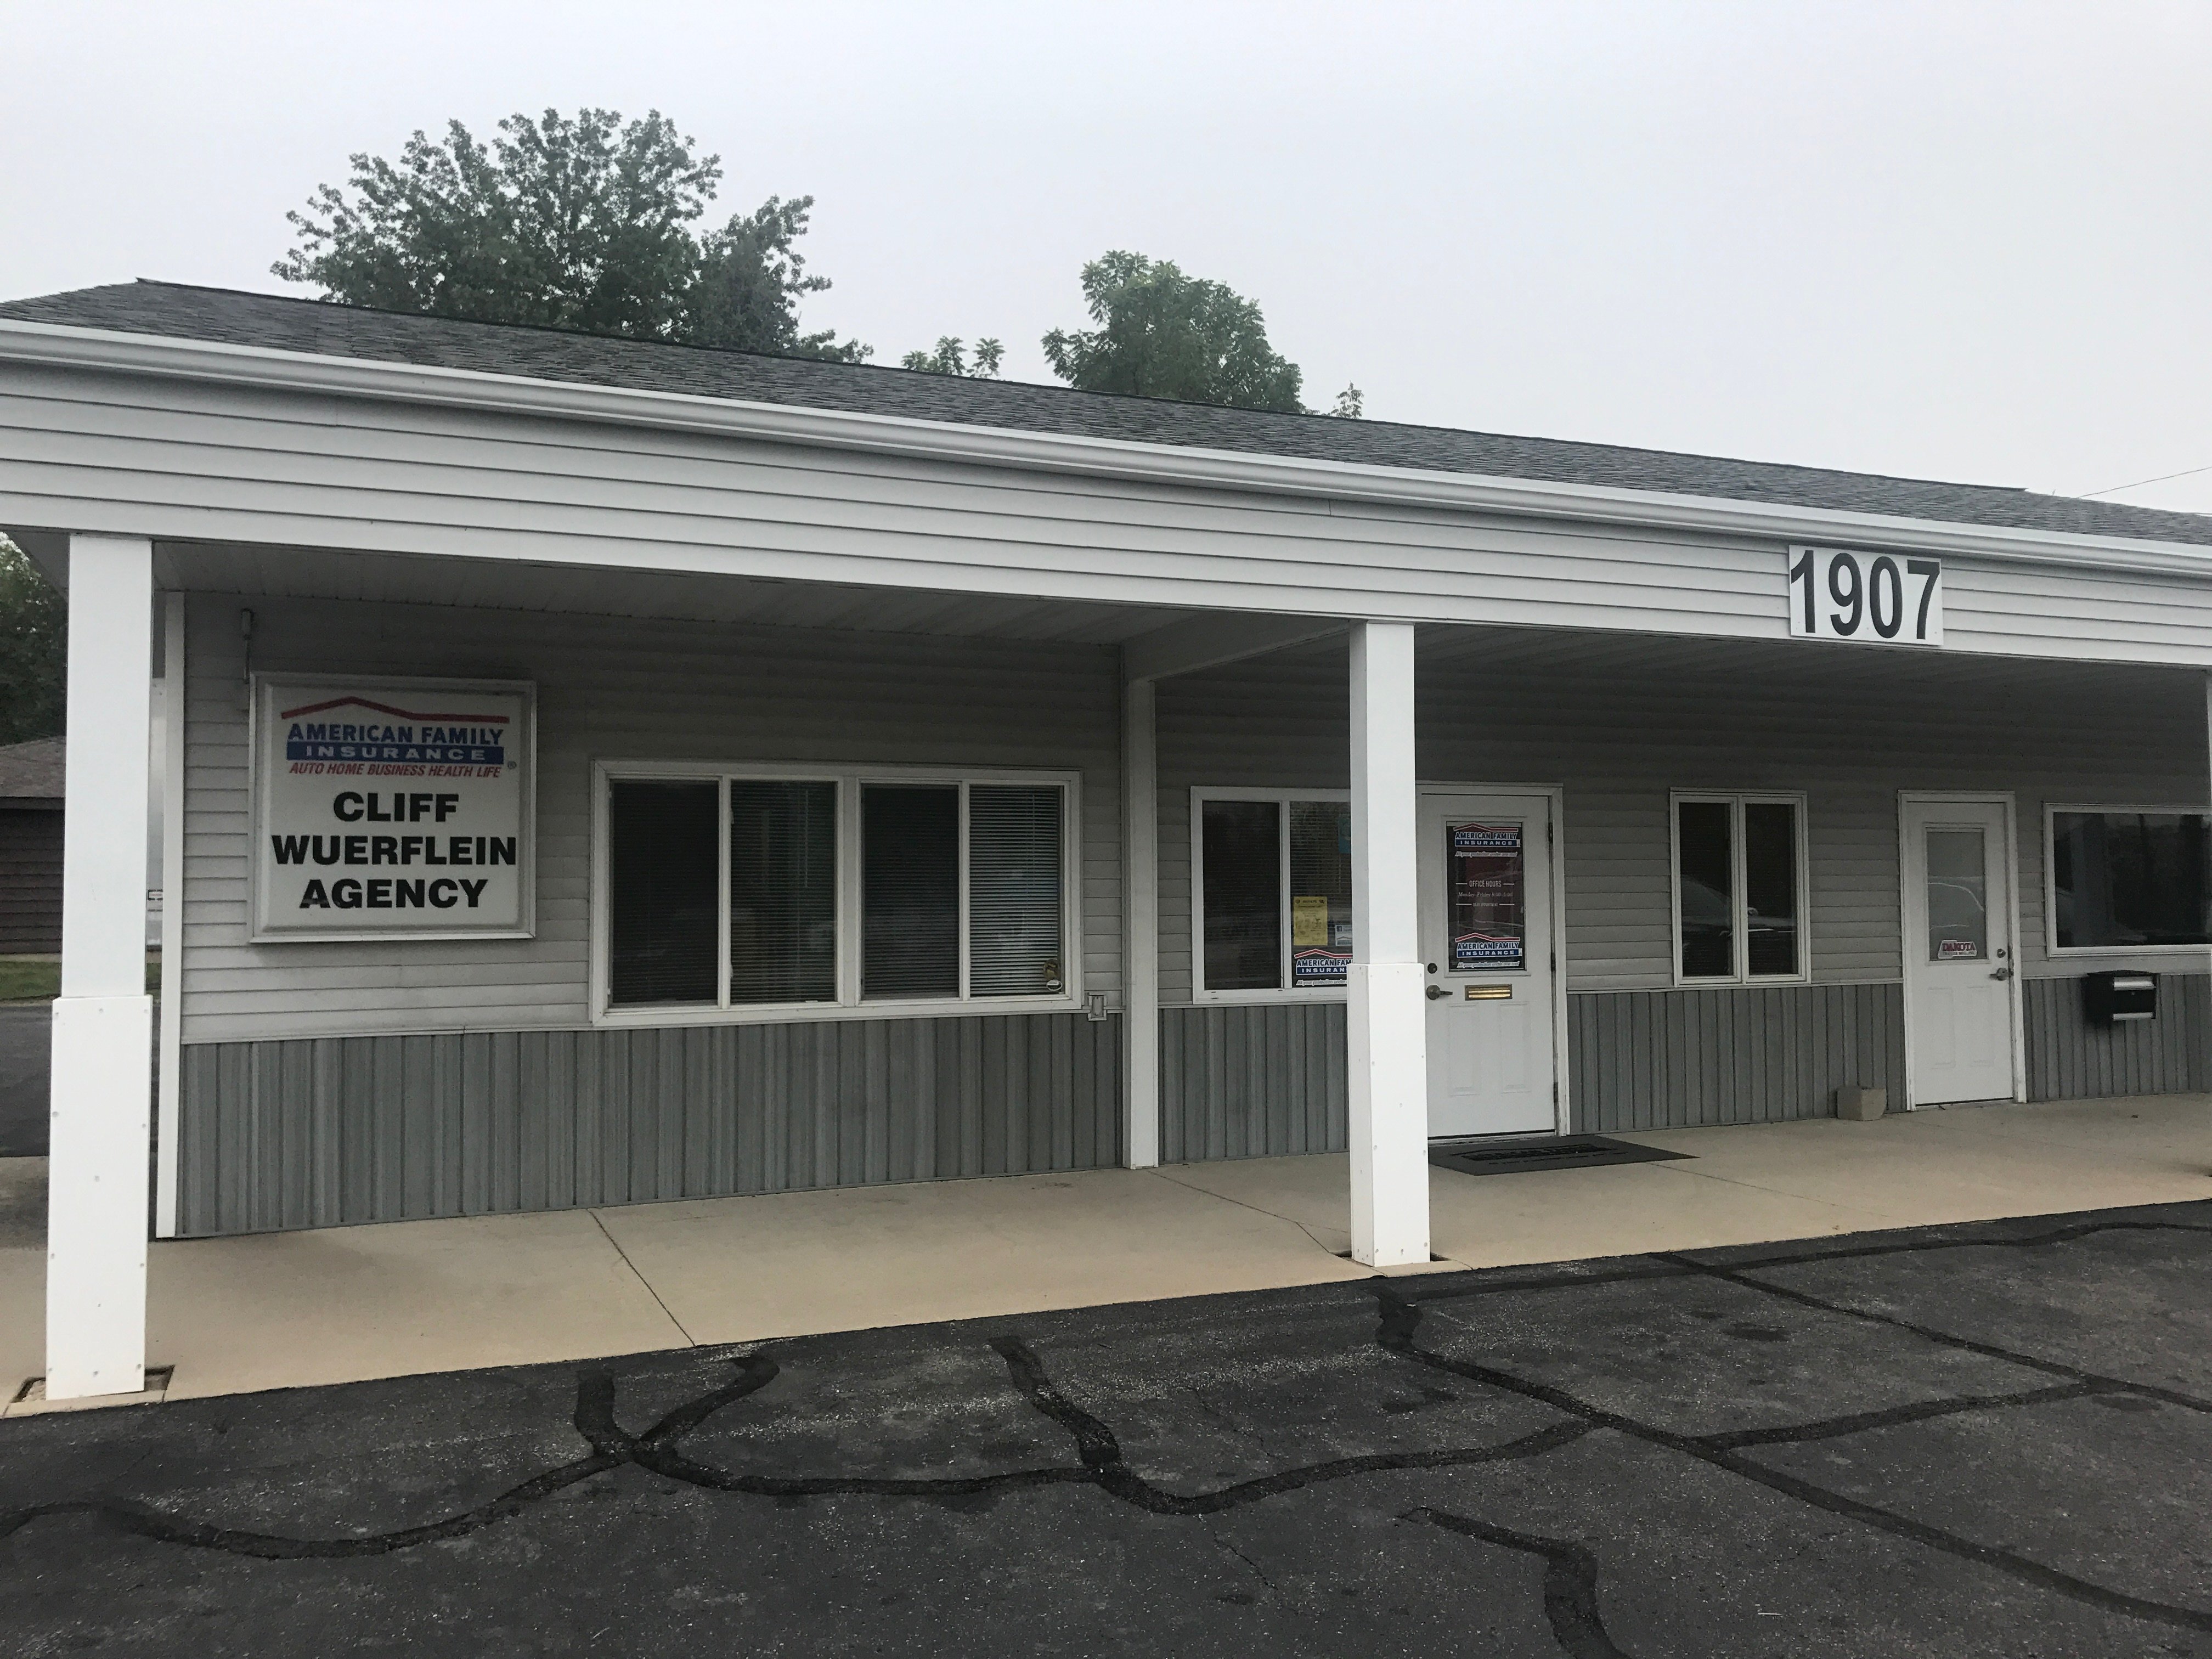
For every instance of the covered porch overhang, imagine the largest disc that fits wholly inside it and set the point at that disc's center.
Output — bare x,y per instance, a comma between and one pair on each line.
97,1346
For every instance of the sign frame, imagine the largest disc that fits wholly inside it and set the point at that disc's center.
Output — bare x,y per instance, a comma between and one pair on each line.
1820,610
261,688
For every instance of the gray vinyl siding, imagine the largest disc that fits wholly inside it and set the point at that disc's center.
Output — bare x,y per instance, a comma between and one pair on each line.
31,879
1246,1080
317,1133
1252,1081
608,688
1661,1060
1619,730
142,454
2069,1057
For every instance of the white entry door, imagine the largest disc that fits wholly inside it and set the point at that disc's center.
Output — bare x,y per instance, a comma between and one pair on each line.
1486,937
1959,949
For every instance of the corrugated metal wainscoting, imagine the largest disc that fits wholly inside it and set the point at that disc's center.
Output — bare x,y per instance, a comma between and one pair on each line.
1251,1081
1657,1059
320,1132
2069,1058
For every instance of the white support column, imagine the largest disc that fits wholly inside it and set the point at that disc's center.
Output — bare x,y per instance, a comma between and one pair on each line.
1140,910
102,1078
170,1071
1389,1021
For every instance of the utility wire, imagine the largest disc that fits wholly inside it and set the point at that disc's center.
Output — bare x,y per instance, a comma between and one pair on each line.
2089,494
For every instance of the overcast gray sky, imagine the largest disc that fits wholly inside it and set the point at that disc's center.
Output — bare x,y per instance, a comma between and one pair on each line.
1942,240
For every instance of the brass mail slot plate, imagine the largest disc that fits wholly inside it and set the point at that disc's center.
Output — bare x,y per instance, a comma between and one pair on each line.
1488,993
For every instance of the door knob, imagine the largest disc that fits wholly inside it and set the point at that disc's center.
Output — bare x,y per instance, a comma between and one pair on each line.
1437,992
2002,972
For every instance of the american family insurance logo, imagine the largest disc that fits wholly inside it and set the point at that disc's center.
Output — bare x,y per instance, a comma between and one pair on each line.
358,734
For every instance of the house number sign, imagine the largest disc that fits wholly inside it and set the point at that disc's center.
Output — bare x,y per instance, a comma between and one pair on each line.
1878,599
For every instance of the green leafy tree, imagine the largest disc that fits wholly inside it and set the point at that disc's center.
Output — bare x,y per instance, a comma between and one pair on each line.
587,223
950,357
33,650
1164,334
1351,404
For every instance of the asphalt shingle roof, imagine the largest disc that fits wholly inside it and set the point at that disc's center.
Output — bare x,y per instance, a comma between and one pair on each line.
234,317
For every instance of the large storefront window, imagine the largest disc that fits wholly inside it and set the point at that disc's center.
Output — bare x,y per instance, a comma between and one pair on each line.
2129,880
1739,887
1274,891
747,892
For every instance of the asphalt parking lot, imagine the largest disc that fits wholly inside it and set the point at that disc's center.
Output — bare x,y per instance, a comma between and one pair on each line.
1993,1439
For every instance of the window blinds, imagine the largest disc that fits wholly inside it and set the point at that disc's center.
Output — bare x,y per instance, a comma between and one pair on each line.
1014,903
783,892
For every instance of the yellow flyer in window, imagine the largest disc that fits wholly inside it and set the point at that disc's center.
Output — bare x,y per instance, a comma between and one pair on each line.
1308,922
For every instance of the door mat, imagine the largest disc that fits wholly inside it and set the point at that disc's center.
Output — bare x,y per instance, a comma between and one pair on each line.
1516,1154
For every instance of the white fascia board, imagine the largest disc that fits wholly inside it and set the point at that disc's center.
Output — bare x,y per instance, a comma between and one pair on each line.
56,346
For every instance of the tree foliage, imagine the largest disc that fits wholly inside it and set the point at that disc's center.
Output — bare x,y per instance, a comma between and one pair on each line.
33,650
1162,333
584,223
950,357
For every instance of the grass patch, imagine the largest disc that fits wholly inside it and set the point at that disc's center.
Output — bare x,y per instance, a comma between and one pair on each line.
28,979
38,979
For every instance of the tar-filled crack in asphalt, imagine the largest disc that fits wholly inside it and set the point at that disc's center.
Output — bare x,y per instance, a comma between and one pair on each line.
1570,1580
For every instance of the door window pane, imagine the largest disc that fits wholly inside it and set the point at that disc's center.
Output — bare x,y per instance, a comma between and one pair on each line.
1321,891
1489,881
1957,896
910,890
663,882
1014,892
2130,878
1770,887
783,892
1706,871
1242,855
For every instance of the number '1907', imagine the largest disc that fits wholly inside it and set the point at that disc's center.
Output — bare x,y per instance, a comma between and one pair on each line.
1881,599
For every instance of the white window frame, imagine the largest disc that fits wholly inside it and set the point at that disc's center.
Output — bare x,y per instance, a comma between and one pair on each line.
1286,992
850,780
2051,945
1736,800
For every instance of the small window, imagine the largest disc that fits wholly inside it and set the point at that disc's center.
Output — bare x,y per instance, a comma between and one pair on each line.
1740,887
767,892
910,890
2129,880
1015,901
662,896
783,890
1274,891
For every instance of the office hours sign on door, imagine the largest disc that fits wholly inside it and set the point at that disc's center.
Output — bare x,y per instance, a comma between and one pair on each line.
393,808
1875,599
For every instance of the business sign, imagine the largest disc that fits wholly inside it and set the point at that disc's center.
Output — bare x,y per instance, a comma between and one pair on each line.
1877,599
393,809
1488,884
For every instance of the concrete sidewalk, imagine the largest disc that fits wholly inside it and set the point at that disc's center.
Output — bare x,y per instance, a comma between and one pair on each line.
286,1309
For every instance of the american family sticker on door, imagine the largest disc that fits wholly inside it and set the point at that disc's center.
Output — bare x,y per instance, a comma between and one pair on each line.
391,808
1488,884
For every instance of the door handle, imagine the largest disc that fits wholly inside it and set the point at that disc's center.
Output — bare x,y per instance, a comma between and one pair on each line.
2002,972
1436,993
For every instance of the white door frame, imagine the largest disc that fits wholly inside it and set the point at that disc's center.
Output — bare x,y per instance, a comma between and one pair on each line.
1977,797
1555,854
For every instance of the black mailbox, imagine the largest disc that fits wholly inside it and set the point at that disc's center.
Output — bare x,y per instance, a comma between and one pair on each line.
2108,997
